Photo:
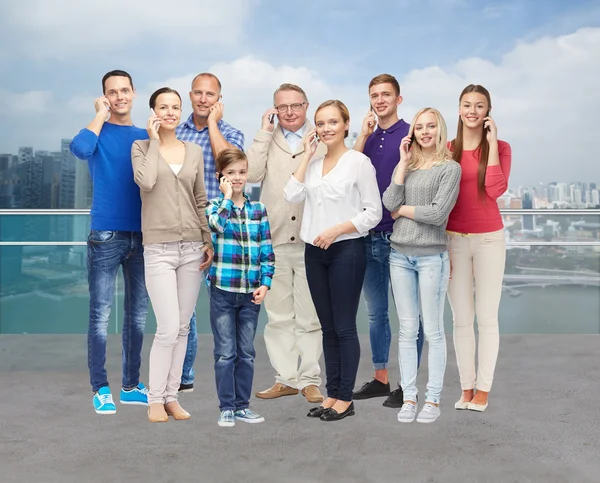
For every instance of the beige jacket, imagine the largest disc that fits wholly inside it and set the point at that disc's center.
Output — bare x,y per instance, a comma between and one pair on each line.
172,205
272,163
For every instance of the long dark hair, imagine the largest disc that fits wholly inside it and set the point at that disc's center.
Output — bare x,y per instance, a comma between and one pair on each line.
456,145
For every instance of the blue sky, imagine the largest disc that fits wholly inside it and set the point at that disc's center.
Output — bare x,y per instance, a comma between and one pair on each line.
58,51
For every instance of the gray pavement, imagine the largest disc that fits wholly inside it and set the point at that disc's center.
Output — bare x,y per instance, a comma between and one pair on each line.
542,425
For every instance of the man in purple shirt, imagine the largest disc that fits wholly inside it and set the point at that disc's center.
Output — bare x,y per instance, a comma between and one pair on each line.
382,146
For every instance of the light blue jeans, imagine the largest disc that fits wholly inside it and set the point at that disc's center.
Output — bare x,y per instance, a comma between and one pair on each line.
425,277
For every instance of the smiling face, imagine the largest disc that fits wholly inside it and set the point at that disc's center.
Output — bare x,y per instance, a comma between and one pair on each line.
384,100
292,109
237,173
120,93
331,125
473,109
204,94
168,107
426,131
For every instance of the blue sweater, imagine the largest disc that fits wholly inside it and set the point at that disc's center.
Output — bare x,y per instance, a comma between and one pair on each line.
116,202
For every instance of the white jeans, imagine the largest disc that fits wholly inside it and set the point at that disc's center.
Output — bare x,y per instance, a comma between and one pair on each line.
173,280
476,258
293,330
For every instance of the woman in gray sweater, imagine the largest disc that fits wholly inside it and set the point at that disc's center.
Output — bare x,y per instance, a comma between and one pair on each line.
422,193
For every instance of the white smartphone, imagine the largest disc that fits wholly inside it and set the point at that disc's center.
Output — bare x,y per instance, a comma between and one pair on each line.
152,112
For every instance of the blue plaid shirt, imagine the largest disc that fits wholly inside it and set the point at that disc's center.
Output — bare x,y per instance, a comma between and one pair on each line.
244,258
187,131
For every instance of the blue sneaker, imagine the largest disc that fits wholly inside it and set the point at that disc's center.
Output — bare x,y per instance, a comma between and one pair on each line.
103,401
226,419
137,395
248,416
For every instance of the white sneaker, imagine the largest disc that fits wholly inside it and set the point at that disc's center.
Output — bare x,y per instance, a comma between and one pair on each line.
429,413
407,413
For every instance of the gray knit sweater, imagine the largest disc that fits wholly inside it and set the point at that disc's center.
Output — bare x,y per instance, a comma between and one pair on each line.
433,193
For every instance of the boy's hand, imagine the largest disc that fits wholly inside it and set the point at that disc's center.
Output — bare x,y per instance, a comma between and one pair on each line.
208,257
259,294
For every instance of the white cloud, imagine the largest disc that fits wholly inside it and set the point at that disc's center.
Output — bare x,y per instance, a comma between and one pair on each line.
28,103
61,28
544,95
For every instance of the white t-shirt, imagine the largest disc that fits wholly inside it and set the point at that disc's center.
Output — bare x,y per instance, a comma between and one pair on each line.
176,168
349,192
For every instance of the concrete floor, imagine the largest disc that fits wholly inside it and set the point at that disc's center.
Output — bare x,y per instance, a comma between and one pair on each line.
542,425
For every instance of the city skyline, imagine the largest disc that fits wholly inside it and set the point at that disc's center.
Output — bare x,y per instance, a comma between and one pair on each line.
56,179
538,64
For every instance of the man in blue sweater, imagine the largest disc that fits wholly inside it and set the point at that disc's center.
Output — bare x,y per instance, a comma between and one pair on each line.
115,239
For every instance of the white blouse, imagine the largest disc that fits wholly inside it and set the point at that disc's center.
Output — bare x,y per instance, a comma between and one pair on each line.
349,192
176,168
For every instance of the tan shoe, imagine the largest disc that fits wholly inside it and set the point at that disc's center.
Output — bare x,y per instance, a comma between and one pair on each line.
312,394
277,390
157,413
173,408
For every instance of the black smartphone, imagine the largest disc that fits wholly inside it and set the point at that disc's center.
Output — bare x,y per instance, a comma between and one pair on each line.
486,115
412,140
219,176
272,118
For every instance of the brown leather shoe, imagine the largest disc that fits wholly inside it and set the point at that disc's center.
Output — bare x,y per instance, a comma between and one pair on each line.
277,390
157,413
312,394
173,408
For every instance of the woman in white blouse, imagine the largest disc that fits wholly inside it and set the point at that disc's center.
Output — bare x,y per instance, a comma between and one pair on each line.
342,205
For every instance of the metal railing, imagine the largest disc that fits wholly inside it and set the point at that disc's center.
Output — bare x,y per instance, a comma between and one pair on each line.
507,211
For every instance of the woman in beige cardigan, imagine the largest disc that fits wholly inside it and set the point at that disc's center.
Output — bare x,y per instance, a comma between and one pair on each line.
177,244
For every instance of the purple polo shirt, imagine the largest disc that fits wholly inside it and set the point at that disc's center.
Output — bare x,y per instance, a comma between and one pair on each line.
383,148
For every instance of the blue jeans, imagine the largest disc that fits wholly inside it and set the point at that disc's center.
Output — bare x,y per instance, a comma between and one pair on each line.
187,377
106,251
375,291
422,277
233,319
335,277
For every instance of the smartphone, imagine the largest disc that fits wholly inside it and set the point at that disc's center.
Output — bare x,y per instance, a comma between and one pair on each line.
152,112
412,140
272,119
108,109
486,115
315,139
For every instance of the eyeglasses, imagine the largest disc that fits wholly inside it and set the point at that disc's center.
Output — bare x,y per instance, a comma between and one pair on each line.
282,108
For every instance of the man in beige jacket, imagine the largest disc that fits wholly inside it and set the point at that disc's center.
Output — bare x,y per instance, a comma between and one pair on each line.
293,332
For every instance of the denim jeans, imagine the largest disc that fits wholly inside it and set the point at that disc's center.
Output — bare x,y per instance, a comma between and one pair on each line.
335,278
106,251
422,277
375,290
233,319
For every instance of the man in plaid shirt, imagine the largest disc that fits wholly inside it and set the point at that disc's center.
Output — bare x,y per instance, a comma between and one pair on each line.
205,127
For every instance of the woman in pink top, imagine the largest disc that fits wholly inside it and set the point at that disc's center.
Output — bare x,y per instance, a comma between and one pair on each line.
477,244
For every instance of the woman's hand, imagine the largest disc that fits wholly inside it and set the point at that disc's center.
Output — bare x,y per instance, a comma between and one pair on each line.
326,238
490,128
153,126
405,149
311,141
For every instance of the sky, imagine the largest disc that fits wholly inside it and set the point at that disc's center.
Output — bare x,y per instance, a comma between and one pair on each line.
540,60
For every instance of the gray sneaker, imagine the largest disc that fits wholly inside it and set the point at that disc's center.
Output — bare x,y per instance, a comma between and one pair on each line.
429,413
407,413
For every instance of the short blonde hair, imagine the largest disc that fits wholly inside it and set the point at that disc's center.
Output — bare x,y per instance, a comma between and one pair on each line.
442,153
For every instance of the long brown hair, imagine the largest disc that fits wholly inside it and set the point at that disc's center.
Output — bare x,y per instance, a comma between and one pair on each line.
456,145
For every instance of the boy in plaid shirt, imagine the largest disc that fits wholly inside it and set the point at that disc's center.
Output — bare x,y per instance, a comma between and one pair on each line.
239,277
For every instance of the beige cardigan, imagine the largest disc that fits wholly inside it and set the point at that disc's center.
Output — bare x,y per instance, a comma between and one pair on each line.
172,205
271,163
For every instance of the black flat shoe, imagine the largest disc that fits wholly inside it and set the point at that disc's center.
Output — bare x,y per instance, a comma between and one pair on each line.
317,412
333,415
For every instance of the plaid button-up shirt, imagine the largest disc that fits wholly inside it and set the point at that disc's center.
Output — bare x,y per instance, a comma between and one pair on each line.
244,258
187,131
